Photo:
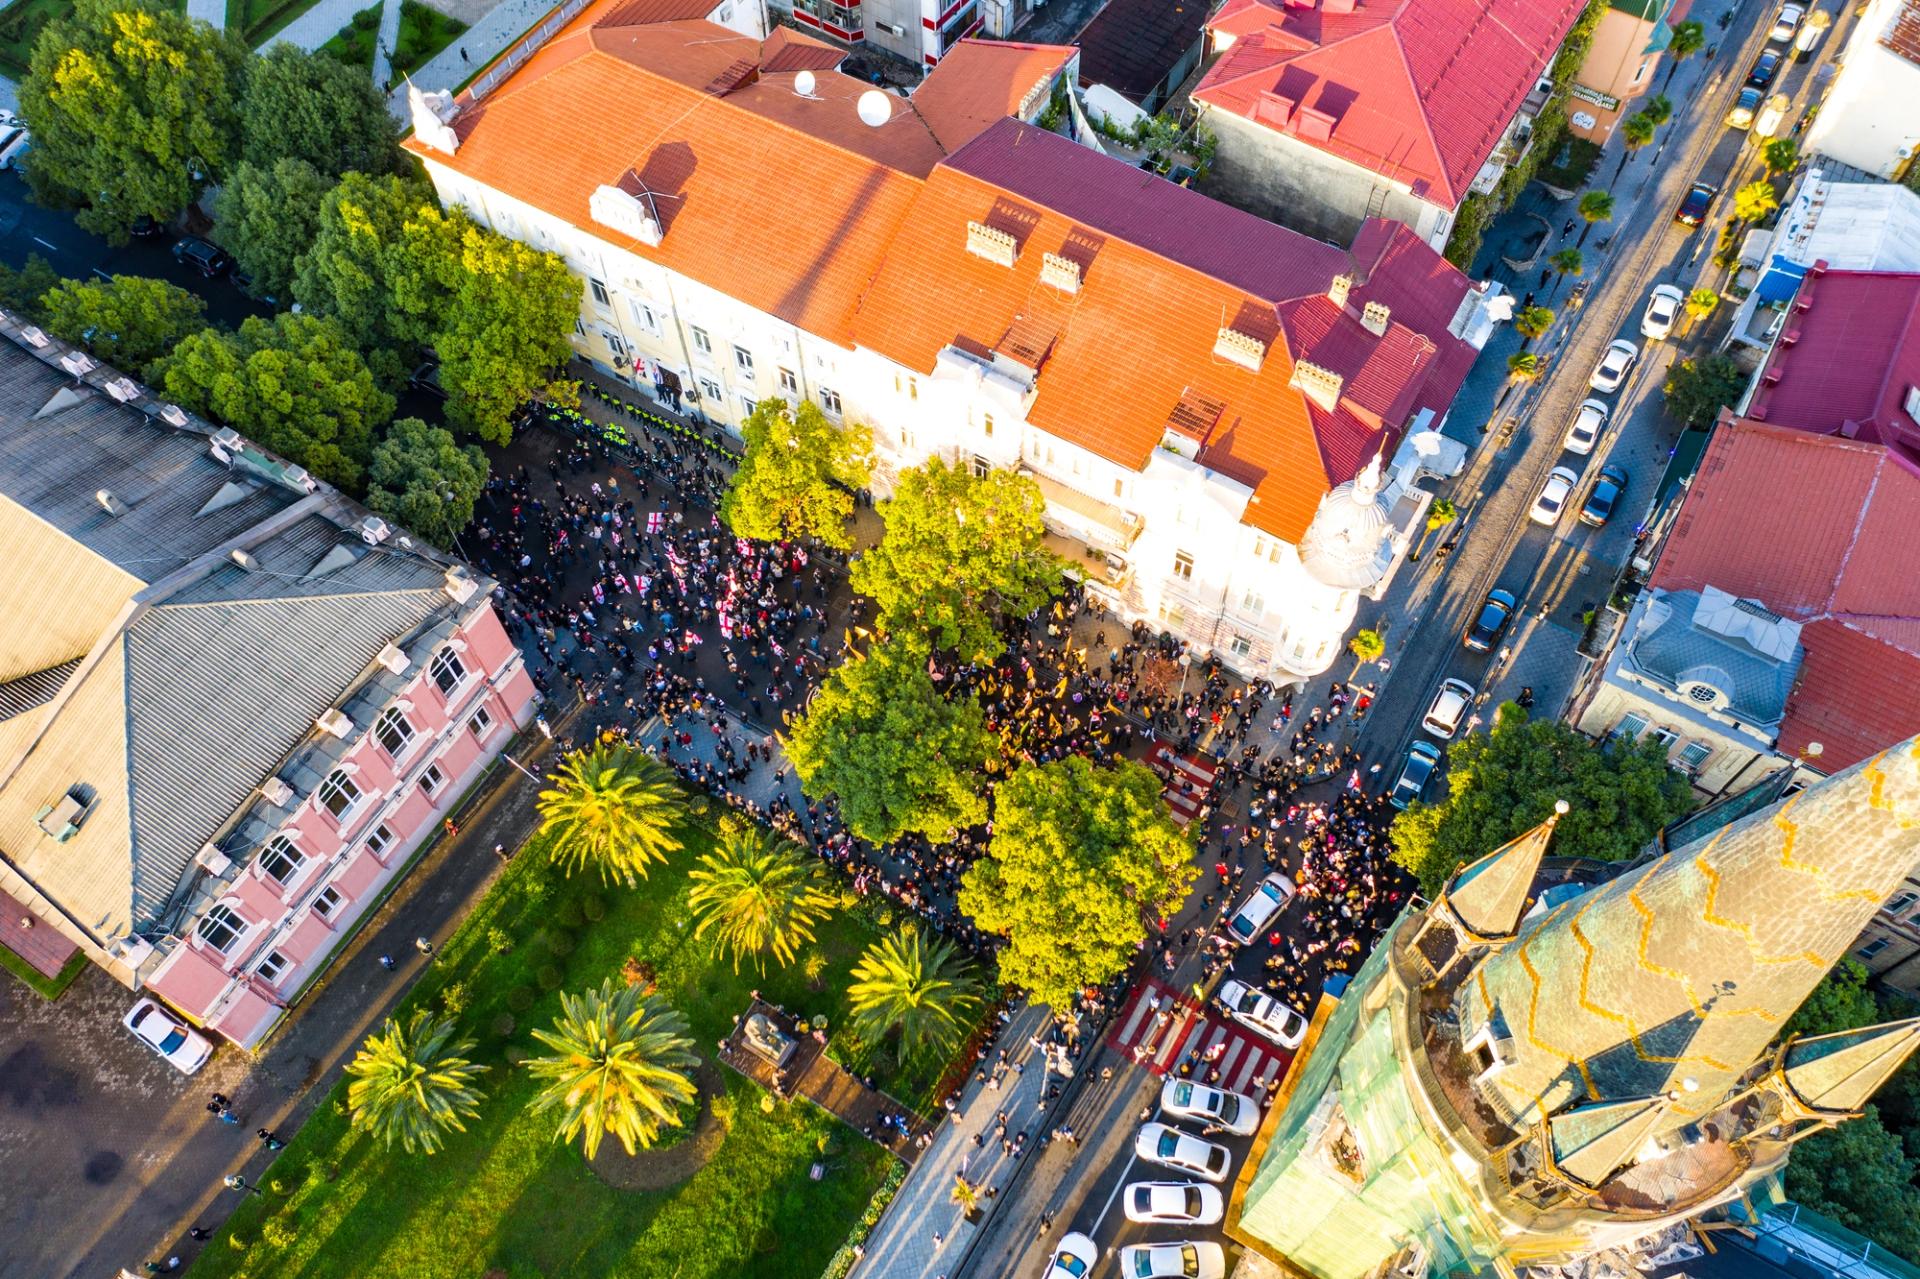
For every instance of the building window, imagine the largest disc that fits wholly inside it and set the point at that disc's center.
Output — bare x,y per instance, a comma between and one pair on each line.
1692,757
327,902
710,390
579,327
448,671
906,438
482,722
789,382
433,780
599,290
1666,737
644,317
1704,694
1253,602
1873,948
1240,646
986,425
1119,488
338,794
1897,904
280,860
380,840
980,467
747,405
913,388
616,344
743,360
273,968
1183,566
220,927
393,732
1630,727
701,342
830,401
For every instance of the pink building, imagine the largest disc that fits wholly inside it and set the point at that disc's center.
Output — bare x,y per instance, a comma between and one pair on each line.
233,703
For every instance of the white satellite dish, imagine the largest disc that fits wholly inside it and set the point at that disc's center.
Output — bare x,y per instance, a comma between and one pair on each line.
803,83
875,108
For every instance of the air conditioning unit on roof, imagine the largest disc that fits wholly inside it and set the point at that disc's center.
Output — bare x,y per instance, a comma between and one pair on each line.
394,660
277,792
226,441
374,530
213,861
335,721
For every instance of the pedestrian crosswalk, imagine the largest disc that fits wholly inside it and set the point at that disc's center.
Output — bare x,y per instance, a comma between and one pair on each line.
1187,778
1159,1026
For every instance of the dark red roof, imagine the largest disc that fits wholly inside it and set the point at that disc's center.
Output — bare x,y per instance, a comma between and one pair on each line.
1820,530
1132,44
1419,91
1848,354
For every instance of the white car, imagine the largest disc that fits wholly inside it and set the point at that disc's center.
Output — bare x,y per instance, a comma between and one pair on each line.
1185,1259
1449,708
1073,1259
14,140
1263,1014
1614,365
185,1049
1586,428
1188,1202
1786,23
1663,308
1167,1146
1184,1099
1265,903
1553,496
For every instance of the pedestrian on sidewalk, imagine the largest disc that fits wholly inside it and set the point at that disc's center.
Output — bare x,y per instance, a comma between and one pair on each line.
199,1234
386,962
270,1139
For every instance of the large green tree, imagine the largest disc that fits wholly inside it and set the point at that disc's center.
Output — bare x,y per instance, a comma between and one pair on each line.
960,553
361,270
896,754
128,321
413,1082
423,478
758,894
1082,859
1699,387
795,479
917,986
22,290
1841,1001
267,216
294,384
612,808
1859,1175
1502,783
311,107
620,1067
132,107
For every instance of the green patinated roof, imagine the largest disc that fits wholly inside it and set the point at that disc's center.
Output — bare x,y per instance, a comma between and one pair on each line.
1490,895
1591,1142
1841,1071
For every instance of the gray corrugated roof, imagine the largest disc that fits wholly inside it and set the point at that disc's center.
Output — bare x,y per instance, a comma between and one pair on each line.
53,466
18,696
1675,651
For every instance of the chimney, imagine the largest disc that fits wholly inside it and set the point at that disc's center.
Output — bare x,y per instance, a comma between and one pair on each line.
1374,318
1338,290
1242,349
1322,386
991,243
433,115
1061,273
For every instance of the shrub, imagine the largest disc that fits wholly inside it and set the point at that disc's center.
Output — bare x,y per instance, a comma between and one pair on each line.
594,908
520,998
454,999
499,941
569,914
550,977
516,1054
503,1025
276,1233
559,942
367,19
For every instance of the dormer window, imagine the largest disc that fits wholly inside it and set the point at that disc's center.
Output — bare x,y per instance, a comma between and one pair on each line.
220,927
393,732
280,861
338,795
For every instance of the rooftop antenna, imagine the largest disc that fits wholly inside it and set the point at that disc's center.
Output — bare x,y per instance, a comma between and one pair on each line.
875,108
803,83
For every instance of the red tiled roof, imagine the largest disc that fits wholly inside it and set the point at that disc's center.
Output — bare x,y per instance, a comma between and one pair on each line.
1848,354
1163,270
981,81
1419,91
1819,530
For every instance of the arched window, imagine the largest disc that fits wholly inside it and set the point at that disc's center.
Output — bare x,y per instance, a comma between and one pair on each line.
448,671
221,926
393,732
280,860
338,794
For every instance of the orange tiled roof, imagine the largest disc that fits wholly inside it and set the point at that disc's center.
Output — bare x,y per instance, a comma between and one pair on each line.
980,82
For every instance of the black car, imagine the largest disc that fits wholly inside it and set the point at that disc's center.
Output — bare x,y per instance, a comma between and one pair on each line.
204,256
1604,496
1492,622
147,227
1765,68
1693,209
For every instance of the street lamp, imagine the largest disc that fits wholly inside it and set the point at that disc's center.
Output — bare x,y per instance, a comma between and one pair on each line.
236,1182
1186,664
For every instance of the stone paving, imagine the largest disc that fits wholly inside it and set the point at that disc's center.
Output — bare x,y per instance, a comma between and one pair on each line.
319,24
505,23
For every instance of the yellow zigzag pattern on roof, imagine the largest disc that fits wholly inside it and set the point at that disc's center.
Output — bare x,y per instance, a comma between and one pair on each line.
1877,798
1686,983
1533,1010
1791,830
1621,1019
1745,930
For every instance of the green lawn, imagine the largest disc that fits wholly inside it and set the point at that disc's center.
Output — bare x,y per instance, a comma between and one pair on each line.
424,32
22,21
259,19
504,1195
46,987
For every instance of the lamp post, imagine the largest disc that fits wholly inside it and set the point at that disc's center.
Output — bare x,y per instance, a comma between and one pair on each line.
237,1182
1186,664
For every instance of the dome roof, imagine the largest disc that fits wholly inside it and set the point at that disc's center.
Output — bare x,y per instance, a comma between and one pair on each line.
1349,543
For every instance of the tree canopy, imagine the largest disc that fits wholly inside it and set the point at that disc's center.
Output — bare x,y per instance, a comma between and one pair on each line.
128,321
22,290
898,756
1841,1001
793,482
960,553
132,106
267,216
424,479
311,107
1859,1175
1505,782
1698,388
1082,858
293,384
358,268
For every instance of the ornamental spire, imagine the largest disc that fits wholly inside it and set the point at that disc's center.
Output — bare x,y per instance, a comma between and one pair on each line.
1487,898
1837,1073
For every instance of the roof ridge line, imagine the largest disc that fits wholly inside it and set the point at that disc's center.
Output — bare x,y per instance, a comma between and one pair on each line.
1853,539
1426,121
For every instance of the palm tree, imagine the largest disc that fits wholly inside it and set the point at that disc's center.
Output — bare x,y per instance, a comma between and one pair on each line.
915,985
619,1066
1658,110
1687,39
1366,646
411,1083
613,808
1595,207
1532,322
1701,303
1522,367
1755,201
758,894
1781,155
1636,131
1566,262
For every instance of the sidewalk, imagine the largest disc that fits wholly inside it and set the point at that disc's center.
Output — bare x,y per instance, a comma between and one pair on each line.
483,42
212,12
317,25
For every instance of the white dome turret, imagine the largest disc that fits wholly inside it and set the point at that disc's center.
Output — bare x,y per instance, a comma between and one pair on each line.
1349,545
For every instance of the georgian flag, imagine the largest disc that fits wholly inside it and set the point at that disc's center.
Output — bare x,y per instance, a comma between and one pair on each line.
655,520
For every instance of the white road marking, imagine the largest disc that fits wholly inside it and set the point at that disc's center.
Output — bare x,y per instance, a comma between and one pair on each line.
39,241
1118,1186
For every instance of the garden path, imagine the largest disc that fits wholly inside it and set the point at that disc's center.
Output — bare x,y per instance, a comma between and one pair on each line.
319,24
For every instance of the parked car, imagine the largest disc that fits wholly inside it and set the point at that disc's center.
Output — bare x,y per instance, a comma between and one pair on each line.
1184,1259
1663,310
1765,68
185,1049
1422,759
14,141
1492,622
1614,366
1587,425
147,227
1693,207
1604,496
1786,23
1169,1147
1188,1202
1265,903
1744,108
1262,1014
1553,496
1448,709
204,256
1073,1258
1184,1099
1768,121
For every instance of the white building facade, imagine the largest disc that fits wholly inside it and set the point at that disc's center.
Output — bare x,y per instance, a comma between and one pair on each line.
1870,117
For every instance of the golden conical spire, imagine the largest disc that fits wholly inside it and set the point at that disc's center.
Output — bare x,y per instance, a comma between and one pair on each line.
1674,977
1488,897
1839,1072
1591,1143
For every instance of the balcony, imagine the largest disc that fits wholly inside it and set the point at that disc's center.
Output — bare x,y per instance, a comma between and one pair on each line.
1073,514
